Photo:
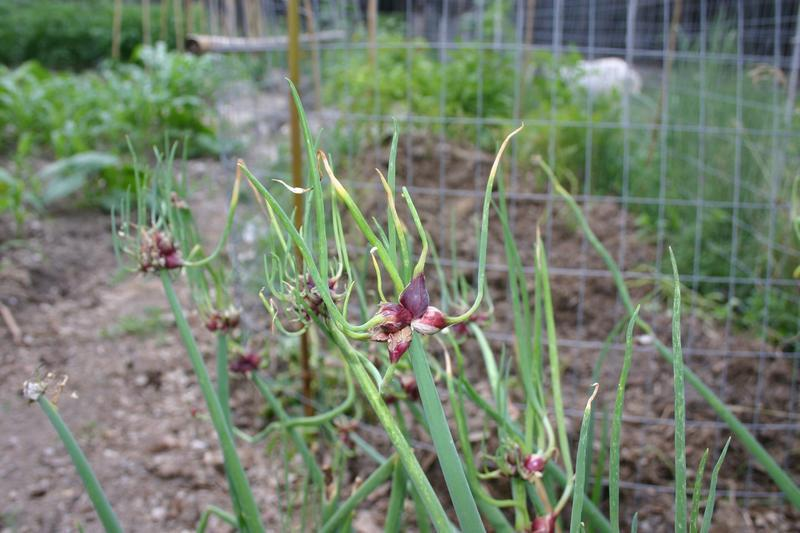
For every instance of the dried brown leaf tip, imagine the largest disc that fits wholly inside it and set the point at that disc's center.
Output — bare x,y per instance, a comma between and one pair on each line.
50,383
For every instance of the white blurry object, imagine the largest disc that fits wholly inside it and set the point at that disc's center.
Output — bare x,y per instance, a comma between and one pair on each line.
603,76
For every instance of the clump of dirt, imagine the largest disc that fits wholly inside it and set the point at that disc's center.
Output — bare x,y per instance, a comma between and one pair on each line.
446,182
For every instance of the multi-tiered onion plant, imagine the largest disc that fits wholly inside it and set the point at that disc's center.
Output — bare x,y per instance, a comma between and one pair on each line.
522,475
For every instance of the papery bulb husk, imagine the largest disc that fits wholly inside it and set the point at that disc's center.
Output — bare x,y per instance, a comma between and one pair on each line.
544,524
532,464
173,261
432,321
245,363
415,297
409,384
395,317
398,344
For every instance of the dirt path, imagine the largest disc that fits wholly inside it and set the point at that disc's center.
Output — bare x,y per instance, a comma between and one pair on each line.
137,401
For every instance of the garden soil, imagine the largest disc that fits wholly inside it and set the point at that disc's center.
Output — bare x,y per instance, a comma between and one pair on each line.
135,406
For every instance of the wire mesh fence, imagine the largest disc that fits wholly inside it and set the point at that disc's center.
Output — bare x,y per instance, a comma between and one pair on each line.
673,123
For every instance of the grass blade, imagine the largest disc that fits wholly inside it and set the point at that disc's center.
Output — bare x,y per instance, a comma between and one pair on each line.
680,404
449,459
698,486
314,471
599,470
233,466
223,386
375,479
552,349
616,428
101,505
579,492
712,490
397,498
771,467
223,515
314,182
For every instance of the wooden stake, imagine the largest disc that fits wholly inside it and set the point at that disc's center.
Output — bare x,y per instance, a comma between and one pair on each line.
146,22
116,29
177,19
530,14
293,20
259,18
315,59
213,17
673,41
372,29
248,18
164,22
188,16
201,44
524,79
230,18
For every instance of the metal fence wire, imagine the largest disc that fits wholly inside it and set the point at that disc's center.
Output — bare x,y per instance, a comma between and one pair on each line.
673,123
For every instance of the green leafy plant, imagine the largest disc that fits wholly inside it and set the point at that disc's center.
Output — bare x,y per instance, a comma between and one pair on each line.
71,34
523,474
87,123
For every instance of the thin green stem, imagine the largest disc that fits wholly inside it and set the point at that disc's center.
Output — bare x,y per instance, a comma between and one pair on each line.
413,469
579,494
223,515
397,498
483,242
223,383
680,404
96,494
250,514
315,184
552,350
449,459
488,356
616,427
223,393
698,486
712,490
308,458
378,476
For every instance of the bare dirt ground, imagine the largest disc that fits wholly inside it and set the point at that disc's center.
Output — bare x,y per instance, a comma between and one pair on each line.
139,413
